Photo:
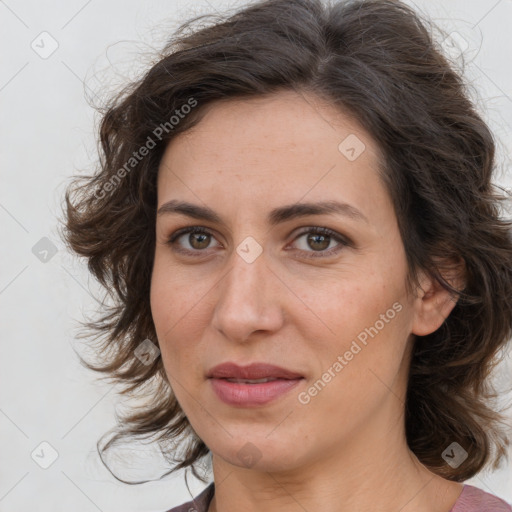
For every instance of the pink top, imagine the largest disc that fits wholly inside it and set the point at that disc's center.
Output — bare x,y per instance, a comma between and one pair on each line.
471,499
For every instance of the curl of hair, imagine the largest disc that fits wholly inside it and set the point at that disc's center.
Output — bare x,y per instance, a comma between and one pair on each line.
377,61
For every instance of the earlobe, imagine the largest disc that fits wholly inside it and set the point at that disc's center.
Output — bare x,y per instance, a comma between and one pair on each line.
433,303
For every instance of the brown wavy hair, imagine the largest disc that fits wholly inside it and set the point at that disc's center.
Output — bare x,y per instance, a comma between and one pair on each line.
378,61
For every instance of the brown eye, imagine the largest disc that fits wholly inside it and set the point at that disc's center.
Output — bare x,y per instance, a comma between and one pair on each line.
199,240
318,242
193,241
315,242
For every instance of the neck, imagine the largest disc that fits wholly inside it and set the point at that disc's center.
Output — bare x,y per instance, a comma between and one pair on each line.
375,470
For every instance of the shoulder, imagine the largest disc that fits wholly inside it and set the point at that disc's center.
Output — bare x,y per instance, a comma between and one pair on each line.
473,499
199,504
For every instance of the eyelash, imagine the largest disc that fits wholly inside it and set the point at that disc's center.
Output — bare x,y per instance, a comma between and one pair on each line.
343,241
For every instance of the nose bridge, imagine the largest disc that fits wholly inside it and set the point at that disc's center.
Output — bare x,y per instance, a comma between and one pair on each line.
245,299
245,283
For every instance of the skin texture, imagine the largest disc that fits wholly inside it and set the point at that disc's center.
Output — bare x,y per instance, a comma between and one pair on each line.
345,449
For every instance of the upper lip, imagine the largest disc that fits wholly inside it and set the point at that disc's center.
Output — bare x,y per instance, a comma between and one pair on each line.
231,370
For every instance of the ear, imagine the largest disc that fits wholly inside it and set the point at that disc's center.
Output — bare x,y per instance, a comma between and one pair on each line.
433,302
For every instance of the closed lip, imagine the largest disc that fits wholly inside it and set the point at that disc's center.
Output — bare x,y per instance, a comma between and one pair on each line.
231,370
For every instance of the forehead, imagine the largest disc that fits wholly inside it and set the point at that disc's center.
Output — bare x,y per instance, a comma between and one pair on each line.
286,143
286,120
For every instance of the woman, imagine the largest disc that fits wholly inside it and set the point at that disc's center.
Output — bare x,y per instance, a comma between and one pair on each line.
311,281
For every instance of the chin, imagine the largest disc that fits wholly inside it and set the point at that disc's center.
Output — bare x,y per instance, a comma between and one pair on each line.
259,452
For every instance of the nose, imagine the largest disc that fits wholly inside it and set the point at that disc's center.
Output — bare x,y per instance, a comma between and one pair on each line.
248,300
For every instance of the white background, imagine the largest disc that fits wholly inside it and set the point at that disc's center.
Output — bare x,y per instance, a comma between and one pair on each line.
46,135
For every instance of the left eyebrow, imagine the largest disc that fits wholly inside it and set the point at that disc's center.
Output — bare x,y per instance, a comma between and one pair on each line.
297,210
275,217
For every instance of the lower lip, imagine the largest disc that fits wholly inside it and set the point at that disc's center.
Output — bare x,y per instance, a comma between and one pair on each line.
247,395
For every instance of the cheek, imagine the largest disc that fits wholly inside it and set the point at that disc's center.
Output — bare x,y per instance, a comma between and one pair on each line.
179,308
357,330
340,307
358,368
168,300
174,296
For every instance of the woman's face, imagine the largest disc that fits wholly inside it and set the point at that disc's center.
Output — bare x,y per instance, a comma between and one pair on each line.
262,284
